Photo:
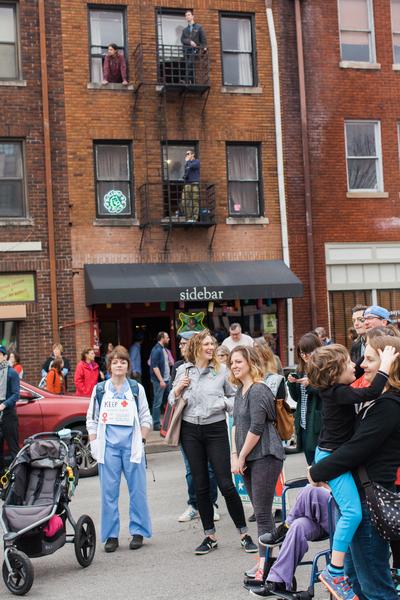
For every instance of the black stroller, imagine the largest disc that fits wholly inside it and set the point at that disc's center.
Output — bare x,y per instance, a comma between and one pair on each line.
37,491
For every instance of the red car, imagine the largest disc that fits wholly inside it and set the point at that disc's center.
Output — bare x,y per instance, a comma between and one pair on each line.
39,410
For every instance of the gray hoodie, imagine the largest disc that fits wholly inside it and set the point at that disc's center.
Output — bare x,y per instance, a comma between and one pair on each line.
209,395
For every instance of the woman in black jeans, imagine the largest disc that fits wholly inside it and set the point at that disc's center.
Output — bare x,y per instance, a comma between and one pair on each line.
203,381
257,451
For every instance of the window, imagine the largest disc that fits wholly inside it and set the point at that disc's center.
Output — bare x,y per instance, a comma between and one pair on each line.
113,180
174,160
243,180
170,27
8,42
238,61
356,31
363,153
396,30
12,195
9,334
106,27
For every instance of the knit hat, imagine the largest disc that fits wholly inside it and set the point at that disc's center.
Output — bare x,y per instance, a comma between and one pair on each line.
377,311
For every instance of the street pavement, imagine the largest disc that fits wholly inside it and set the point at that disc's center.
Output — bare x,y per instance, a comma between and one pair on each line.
165,568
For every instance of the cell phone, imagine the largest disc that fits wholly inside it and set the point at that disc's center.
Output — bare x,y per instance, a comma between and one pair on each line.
295,375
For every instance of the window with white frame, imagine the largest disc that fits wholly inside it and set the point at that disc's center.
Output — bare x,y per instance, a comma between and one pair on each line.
356,22
113,179
395,4
364,156
8,41
244,185
238,56
12,190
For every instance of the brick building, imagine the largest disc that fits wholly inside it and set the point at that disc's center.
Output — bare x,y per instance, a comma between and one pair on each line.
35,248
351,90
140,257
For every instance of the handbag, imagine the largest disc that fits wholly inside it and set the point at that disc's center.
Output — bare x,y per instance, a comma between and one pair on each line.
174,429
383,506
284,419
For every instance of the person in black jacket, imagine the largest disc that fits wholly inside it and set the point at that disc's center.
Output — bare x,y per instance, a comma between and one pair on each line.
9,394
376,446
193,41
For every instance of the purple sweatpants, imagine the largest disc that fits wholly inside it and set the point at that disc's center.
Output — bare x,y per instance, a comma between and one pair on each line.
308,521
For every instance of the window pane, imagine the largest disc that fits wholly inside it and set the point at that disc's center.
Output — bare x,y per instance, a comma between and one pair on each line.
243,199
174,161
170,29
10,160
360,139
11,199
7,24
396,48
242,163
396,16
106,27
362,174
236,34
355,46
112,162
238,69
114,199
97,70
8,59
354,14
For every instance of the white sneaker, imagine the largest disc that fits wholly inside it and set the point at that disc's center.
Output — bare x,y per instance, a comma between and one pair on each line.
189,514
216,515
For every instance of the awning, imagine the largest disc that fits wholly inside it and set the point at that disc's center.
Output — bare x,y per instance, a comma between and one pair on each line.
174,282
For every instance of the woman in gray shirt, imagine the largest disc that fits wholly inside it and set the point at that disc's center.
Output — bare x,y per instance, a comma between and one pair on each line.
257,452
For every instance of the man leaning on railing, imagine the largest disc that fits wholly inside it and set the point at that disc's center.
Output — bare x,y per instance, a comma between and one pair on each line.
193,41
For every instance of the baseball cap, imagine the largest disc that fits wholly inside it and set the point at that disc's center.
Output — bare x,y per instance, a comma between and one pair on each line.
3,350
187,335
377,311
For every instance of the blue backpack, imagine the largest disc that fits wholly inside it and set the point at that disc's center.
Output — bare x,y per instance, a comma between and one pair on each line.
100,389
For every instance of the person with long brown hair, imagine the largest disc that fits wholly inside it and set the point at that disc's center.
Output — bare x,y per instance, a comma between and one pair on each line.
257,452
204,384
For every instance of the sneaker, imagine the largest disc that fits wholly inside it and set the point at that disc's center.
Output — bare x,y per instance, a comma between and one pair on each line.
206,546
338,585
248,545
251,573
276,538
216,515
252,518
269,590
136,542
111,545
189,514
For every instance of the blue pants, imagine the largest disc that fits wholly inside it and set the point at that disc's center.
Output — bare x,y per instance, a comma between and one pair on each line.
190,485
367,563
158,395
116,462
345,493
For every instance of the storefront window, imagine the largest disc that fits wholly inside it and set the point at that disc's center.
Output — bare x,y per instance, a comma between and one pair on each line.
8,334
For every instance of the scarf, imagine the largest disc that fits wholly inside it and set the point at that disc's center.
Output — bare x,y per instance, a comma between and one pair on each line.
3,380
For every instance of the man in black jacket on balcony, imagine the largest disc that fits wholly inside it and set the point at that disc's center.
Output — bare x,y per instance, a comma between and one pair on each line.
191,190
193,41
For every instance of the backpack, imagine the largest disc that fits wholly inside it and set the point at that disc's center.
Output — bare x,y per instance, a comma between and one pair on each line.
100,389
284,417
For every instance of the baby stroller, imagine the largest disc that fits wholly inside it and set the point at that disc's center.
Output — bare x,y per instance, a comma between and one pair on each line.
37,491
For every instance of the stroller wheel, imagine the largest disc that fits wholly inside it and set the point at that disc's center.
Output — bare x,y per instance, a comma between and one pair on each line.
19,580
85,541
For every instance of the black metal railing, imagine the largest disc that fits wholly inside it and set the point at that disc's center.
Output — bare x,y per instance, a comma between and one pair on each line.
177,204
177,66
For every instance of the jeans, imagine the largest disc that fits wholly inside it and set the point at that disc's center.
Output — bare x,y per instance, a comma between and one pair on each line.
367,563
209,443
190,485
158,395
9,433
345,493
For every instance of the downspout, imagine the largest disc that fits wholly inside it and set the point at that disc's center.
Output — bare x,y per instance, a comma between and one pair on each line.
48,173
306,162
280,170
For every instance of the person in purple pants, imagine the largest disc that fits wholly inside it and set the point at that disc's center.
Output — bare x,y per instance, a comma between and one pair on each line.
306,522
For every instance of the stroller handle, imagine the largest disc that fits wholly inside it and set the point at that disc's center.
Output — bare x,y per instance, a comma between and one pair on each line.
60,435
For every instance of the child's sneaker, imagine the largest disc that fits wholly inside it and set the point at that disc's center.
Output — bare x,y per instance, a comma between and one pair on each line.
338,585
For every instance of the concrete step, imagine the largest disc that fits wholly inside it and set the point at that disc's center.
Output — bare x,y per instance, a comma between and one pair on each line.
155,443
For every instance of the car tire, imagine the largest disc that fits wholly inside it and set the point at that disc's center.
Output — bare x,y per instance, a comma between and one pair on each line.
87,464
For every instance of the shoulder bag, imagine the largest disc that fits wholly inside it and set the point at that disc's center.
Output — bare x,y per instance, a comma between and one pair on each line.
284,415
383,506
174,429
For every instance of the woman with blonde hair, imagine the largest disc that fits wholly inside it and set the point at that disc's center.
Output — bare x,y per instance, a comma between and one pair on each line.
273,379
257,452
223,354
203,382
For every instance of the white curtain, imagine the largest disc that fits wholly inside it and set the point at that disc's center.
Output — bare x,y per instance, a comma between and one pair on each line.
243,180
112,163
244,45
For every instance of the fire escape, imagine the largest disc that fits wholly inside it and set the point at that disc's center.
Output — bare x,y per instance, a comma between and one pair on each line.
180,79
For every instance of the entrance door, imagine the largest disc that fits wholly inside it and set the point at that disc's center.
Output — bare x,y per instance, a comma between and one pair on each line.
149,327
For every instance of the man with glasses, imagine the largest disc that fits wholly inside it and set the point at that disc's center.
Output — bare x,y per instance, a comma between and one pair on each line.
190,203
376,316
358,346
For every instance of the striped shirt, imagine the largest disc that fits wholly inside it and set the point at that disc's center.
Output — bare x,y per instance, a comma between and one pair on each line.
303,406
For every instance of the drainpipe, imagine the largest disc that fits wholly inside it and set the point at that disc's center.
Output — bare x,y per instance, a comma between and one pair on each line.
306,161
280,169
48,173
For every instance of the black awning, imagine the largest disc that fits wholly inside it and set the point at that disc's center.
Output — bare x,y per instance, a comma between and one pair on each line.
172,282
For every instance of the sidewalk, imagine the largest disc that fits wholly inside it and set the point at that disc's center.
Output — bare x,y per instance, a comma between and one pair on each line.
155,443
